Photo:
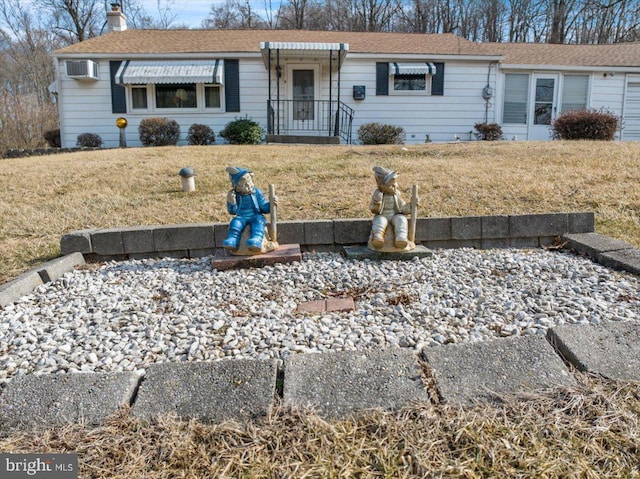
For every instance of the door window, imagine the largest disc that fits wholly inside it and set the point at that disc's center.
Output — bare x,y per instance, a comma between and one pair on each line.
303,95
544,101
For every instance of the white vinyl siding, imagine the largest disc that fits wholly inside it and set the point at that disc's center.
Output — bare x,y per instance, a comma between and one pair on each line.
575,92
516,95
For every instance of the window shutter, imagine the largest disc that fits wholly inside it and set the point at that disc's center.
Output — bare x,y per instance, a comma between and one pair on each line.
382,78
437,80
232,85
118,92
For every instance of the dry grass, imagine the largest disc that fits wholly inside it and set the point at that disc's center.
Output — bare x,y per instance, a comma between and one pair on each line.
42,198
591,431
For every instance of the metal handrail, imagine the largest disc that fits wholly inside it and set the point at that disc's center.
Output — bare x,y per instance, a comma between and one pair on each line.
318,116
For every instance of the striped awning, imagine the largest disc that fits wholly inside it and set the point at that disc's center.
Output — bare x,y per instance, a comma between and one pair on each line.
140,72
412,68
304,50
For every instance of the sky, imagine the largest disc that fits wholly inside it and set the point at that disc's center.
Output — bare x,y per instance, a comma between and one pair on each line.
190,12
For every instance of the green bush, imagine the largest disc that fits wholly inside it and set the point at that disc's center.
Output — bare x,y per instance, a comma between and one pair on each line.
379,134
89,140
200,135
488,131
585,125
159,132
52,137
242,131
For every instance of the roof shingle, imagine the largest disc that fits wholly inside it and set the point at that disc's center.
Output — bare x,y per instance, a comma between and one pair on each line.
170,42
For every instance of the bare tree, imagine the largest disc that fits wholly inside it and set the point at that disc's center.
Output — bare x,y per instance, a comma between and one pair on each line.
26,71
74,20
234,14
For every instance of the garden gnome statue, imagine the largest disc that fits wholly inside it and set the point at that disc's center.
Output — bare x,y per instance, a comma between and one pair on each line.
248,204
391,231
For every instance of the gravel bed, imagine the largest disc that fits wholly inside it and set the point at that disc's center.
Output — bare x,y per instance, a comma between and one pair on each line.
125,315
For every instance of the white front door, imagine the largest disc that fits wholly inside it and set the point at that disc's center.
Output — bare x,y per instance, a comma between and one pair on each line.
543,106
303,93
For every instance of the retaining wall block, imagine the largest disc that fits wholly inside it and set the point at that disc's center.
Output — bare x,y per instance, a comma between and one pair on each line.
433,229
524,243
454,244
466,228
107,242
138,240
21,286
184,237
318,232
76,241
495,227
581,222
220,232
290,232
495,243
552,224
351,231
54,269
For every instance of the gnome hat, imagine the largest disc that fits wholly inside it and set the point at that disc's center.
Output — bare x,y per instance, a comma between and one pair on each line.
236,173
383,175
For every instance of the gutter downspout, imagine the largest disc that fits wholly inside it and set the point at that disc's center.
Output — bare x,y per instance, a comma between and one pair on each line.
488,92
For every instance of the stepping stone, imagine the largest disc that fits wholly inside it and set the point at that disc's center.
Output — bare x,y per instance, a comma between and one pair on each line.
609,349
339,384
327,305
362,252
286,253
488,370
52,399
208,391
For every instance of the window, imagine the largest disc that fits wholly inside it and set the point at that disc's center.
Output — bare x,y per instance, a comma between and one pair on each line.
139,97
212,96
574,92
516,94
182,95
409,82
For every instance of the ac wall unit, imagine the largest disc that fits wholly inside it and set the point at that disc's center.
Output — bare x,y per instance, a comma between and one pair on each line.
82,69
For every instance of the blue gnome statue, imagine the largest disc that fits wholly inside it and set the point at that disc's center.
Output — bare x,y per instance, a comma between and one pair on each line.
248,204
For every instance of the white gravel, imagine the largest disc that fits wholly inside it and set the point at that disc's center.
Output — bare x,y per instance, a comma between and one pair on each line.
127,315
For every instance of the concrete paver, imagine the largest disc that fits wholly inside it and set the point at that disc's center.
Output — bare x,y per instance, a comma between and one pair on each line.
208,391
610,349
343,383
488,370
48,400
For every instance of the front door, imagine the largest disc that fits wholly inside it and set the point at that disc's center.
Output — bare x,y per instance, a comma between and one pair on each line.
543,106
303,93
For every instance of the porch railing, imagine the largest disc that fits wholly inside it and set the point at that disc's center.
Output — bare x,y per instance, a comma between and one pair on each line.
318,117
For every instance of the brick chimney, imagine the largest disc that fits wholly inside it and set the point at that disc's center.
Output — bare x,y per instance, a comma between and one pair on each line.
116,21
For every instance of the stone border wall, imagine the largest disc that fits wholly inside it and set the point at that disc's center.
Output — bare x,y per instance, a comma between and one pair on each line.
197,240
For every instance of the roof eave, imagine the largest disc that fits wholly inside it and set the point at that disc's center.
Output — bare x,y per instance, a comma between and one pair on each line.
595,68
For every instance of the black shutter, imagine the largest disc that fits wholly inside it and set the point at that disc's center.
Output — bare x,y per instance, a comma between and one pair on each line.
232,85
382,78
118,92
437,80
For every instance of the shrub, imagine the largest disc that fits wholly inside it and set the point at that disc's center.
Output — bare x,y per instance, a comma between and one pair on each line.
52,137
159,132
379,134
242,131
200,135
89,140
585,125
488,131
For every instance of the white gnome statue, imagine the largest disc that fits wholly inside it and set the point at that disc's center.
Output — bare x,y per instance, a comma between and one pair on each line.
389,210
